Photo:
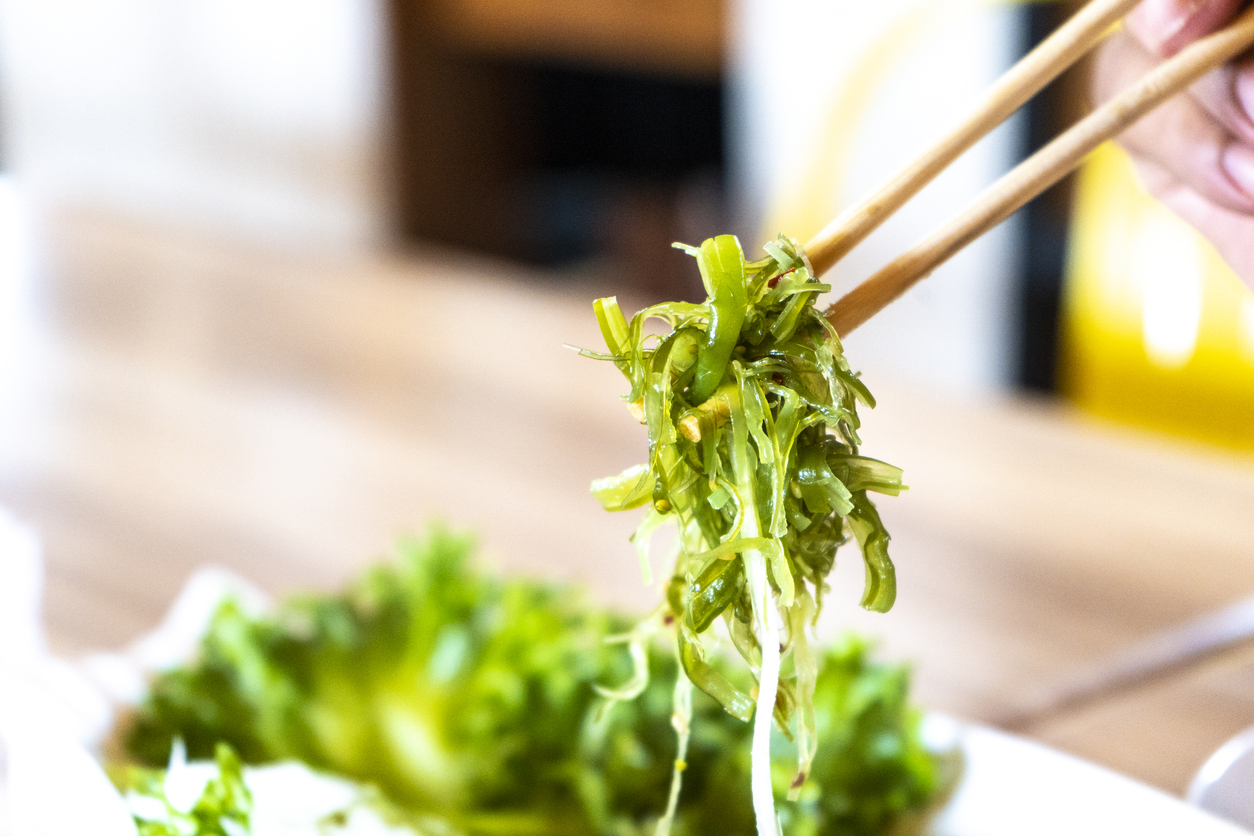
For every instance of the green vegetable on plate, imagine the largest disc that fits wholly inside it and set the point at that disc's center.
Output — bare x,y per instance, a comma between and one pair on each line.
481,706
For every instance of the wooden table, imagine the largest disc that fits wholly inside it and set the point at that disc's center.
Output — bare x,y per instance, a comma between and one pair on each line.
178,400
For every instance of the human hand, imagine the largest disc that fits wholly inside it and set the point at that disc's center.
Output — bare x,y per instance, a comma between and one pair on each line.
1195,152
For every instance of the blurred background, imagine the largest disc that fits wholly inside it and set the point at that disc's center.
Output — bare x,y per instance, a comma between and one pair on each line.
279,278
585,139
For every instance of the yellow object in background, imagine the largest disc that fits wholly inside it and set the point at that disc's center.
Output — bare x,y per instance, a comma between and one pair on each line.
1156,331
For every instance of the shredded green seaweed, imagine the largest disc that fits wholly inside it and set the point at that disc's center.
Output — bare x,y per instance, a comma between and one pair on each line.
751,412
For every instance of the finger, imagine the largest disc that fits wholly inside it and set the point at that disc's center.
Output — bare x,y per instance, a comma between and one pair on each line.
1228,231
1184,139
1164,27
1180,135
1218,92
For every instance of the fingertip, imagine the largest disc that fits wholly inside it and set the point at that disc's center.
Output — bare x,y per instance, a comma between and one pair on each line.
1167,26
1155,22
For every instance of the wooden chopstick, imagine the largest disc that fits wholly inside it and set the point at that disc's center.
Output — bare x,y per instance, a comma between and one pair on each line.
1042,170
1169,653
1023,81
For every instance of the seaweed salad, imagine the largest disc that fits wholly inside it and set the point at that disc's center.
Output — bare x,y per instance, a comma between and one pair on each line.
751,410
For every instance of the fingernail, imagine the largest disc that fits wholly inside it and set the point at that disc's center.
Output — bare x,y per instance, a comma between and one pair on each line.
1162,21
1180,17
1238,161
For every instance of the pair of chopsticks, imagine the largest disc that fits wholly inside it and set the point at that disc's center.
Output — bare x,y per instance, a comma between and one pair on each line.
999,201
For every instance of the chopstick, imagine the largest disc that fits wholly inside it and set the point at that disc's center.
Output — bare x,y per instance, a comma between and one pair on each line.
1038,172
1170,653
1021,82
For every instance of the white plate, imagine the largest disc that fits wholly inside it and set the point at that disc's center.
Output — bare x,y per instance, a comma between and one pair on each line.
1011,787
1014,787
